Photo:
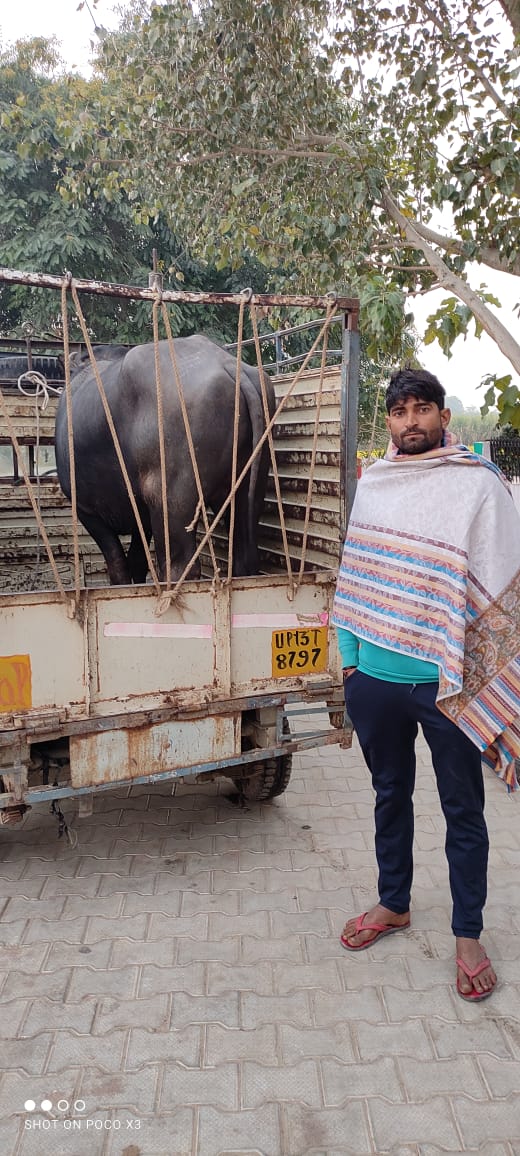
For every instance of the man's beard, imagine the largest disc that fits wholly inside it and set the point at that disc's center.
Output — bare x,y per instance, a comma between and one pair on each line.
420,442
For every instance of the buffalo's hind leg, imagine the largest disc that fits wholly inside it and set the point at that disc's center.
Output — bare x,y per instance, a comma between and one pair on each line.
136,557
183,544
110,547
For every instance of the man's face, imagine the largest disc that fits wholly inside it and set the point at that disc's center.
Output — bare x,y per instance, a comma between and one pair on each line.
416,426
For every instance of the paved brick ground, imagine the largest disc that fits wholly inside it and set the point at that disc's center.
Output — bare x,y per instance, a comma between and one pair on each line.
179,974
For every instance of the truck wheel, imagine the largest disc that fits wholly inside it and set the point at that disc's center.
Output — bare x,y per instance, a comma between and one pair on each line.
265,780
11,368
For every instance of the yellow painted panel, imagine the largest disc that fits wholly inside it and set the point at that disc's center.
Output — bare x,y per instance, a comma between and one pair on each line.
296,652
15,683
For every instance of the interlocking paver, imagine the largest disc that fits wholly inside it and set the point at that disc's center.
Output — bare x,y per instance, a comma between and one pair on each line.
27,1054
48,930
225,926
298,1043
227,1044
24,957
58,1141
192,950
263,1009
151,1013
89,981
198,902
188,1009
214,1086
402,1123
290,949
479,1123
182,1046
309,1130
187,953
350,1005
19,984
423,1079
324,977
342,1082
299,1083
404,1039
164,926
63,954
236,1132
188,978
43,1014
481,1036
172,1133
257,977
136,1090
502,1076
71,1050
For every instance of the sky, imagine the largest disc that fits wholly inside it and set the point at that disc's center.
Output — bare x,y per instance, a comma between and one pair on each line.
471,358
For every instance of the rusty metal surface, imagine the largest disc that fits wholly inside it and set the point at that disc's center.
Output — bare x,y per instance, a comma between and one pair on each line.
130,754
137,293
294,433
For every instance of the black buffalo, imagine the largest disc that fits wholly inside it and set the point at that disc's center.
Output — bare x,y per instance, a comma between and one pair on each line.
207,373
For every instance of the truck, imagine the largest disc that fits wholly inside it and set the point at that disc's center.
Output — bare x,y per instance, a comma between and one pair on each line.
104,687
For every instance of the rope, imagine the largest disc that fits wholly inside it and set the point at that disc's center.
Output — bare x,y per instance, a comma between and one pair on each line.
162,451
30,492
41,386
42,389
236,424
115,438
323,365
70,435
168,597
256,450
274,463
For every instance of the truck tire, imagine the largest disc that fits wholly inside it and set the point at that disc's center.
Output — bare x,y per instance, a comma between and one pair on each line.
11,368
265,780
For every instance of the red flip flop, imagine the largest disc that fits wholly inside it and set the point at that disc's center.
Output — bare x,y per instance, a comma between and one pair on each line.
379,929
474,996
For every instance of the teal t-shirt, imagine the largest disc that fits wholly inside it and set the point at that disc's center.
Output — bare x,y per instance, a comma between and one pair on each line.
388,665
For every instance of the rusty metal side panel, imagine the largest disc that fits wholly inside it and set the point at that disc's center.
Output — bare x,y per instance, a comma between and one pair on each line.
260,608
139,659
294,434
38,626
126,754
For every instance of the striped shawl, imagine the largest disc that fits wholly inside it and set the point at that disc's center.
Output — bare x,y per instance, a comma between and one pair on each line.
431,569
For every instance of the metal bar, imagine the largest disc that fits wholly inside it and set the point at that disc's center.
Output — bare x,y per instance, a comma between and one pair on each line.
97,725
137,293
349,410
37,795
281,333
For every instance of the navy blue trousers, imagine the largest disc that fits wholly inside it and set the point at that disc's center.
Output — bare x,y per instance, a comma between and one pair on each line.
385,716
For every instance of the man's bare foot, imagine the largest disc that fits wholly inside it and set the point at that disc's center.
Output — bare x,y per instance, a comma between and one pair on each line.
472,953
377,914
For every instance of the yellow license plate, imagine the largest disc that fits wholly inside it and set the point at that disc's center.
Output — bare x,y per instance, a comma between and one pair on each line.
298,652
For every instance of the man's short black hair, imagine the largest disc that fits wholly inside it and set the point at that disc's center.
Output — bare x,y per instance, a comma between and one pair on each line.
416,383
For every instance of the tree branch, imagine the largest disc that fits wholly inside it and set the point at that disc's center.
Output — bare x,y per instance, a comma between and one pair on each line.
450,281
487,255
468,63
511,10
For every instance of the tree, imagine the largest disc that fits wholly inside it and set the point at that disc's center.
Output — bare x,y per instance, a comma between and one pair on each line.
100,237
327,138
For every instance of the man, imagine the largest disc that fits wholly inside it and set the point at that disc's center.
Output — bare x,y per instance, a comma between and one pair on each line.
427,611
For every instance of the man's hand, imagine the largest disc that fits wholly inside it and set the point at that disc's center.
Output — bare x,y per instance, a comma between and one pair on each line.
347,671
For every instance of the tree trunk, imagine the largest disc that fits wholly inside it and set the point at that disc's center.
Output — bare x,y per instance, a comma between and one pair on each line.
449,280
511,10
